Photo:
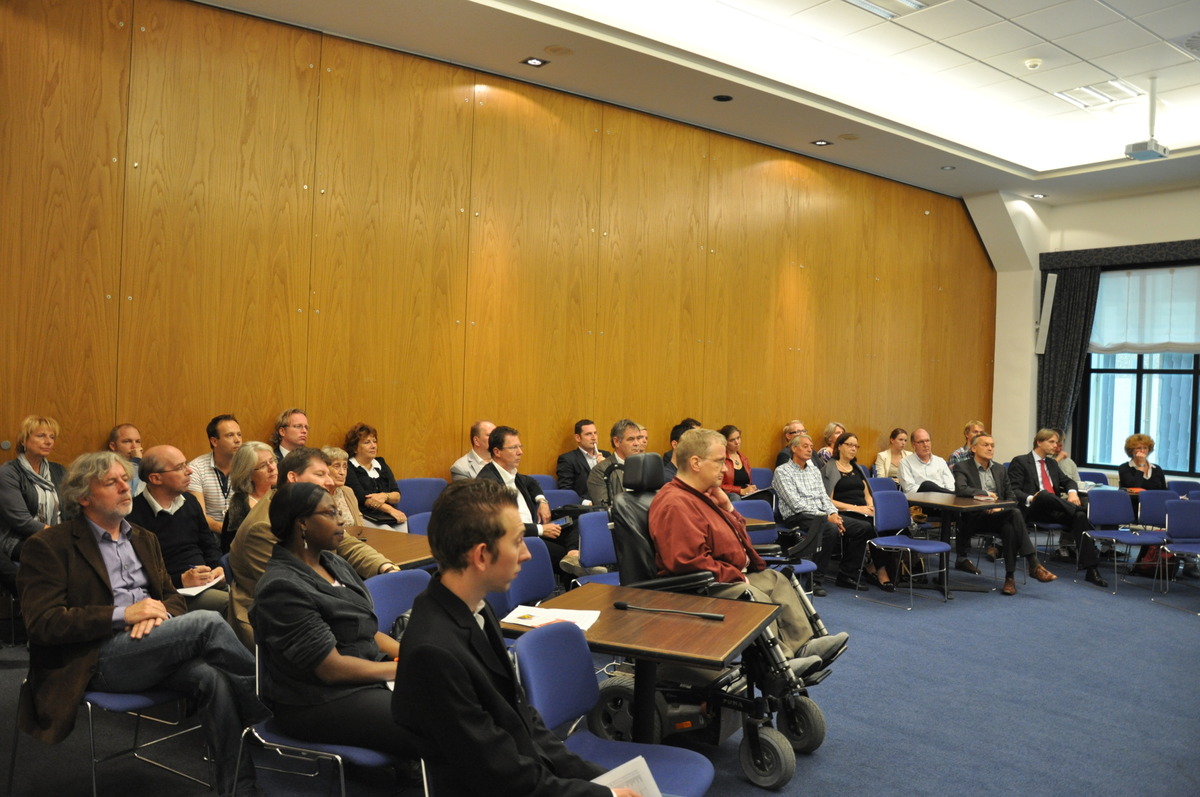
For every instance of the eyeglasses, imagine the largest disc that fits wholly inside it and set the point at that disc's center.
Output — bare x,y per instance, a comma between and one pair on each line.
266,463
512,448
332,514
180,468
302,426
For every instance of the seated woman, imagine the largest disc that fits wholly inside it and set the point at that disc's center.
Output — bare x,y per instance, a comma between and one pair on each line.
372,480
252,474
327,663
344,499
849,492
887,463
1138,473
736,480
28,492
833,430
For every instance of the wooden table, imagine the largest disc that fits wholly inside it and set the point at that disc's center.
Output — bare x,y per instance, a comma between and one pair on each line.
407,551
952,508
650,639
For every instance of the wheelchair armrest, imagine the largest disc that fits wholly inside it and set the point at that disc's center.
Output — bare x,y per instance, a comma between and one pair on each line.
768,550
688,582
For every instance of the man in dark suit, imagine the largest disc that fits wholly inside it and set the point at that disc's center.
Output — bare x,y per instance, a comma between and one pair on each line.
563,544
604,482
456,694
979,476
102,614
575,465
1038,483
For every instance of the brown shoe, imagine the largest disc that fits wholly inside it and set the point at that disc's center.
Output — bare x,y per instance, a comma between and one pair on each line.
991,553
1009,588
1042,574
967,566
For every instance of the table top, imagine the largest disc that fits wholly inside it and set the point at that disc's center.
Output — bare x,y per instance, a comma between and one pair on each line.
954,503
755,523
406,550
665,637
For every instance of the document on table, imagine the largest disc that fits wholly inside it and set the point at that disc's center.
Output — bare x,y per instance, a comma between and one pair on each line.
535,616
191,591
633,774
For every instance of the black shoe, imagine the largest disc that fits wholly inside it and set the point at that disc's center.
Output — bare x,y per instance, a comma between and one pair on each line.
818,590
966,565
1093,577
848,583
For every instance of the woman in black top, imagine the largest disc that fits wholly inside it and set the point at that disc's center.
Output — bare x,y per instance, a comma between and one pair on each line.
851,495
28,492
371,479
327,663
1138,473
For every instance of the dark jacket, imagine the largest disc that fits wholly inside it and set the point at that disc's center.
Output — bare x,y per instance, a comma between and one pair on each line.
527,485
572,471
19,503
1025,477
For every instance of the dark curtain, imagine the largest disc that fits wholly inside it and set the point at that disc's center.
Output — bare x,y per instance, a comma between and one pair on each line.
1060,369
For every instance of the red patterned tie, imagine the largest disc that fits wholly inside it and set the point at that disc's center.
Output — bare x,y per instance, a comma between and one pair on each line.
1047,485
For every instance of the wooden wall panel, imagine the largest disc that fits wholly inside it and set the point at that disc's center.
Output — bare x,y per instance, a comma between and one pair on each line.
650,364
390,254
214,316
532,295
63,75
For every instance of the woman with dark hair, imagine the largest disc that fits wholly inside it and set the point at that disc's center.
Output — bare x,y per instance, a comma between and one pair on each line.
371,479
887,463
736,479
327,663
28,491
848,489
1138,473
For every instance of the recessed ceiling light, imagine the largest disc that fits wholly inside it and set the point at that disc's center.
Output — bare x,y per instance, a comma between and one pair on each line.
1038,196
538,62
949,168
722,98
820,142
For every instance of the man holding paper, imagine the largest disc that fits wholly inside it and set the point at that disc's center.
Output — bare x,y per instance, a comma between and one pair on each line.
456,692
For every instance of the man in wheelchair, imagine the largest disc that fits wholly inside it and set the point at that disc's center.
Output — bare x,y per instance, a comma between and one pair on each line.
695,528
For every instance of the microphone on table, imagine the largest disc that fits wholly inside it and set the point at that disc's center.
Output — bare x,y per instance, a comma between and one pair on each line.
623,606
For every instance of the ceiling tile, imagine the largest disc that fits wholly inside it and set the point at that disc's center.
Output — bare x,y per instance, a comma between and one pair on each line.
1044,105
883,40
1012,8
995,39
1143,59
1067,77
1106,40
1009,92
832,19
973,75
771,9
948,19
1132,8
1169,79
930,58
1066,19
1185,99
1014,63
1174,21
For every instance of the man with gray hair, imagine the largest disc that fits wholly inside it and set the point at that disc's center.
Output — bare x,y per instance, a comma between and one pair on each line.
102,614
627,440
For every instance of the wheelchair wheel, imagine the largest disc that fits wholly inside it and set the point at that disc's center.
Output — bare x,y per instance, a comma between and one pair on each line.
776,763
612,716
802,722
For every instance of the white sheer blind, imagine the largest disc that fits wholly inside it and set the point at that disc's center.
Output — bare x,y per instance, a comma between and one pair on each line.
1149,310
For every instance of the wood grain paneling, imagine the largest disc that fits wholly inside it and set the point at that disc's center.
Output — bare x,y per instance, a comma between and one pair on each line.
214,284
650,363
63,76
531,294
389,254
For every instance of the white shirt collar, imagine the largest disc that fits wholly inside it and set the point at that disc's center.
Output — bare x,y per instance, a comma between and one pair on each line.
155,508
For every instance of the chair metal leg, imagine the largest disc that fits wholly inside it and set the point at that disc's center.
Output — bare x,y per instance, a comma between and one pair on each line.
1166,579
135,748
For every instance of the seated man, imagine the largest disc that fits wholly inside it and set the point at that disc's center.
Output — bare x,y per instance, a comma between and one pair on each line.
457,694
576,465
971,429
469,464
802,504
254,544
696,528
1037,483
677,432
979,475
291,432
191,552
562,544
626,441
126,440
790,430
102,614
210,472
926,472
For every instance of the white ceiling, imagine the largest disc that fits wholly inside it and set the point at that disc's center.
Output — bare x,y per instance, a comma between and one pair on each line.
945,86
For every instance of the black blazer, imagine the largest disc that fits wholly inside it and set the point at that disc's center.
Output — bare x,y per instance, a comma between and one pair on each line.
459,701
967,484
1026,481
572,471
527,485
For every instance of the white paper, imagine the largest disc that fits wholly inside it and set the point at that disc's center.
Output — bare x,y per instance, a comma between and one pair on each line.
191,591
534,616
633,774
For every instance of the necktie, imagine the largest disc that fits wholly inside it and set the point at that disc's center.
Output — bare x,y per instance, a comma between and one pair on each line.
1046,483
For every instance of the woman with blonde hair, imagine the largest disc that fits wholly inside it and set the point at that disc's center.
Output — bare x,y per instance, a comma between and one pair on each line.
1138,473
344,499
253,473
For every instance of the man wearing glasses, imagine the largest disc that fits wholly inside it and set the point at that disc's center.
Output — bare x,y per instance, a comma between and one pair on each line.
790,430
291,432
